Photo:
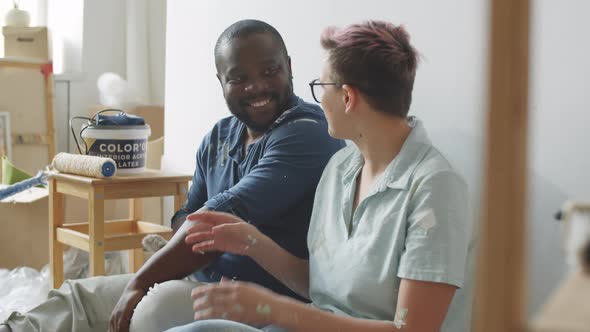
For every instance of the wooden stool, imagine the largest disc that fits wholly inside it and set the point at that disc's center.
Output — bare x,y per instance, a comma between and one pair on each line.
97,235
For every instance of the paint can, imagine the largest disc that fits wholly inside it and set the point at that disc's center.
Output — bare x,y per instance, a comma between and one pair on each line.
122,137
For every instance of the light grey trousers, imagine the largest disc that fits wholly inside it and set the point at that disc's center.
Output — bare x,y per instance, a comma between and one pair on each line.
218,325
85,305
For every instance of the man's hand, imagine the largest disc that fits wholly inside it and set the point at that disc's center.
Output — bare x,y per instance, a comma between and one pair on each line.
217,231
121,316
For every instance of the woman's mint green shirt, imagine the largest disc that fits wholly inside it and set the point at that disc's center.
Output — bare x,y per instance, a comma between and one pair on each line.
413,224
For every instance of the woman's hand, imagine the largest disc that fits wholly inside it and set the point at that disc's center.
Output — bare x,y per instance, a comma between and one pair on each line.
217,231
242,302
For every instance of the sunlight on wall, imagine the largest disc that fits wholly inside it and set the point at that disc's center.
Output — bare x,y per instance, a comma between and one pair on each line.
65,19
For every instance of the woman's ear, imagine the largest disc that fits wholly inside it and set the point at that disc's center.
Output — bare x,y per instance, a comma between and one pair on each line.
350,97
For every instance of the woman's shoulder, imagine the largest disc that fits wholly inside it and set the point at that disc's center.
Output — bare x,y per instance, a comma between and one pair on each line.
434,165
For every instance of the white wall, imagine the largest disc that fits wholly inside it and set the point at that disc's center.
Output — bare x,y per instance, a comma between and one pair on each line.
104,49
449,94
448,86
105,43
65,20
157,49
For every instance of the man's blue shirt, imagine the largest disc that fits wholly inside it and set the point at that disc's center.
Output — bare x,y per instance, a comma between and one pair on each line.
271,185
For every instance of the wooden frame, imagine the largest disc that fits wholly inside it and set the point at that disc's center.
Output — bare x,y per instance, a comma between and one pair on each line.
500,289
5,136
46,69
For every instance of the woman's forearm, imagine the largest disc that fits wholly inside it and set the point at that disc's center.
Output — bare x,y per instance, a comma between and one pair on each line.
424,306
291,270
300,317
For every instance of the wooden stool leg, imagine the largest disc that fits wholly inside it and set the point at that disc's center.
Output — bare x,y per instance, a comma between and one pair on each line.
136,209
135,259
56,219
181,193
135,214
96,230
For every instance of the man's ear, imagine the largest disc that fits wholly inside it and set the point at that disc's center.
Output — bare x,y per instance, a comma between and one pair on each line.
350,97
220,84
289,66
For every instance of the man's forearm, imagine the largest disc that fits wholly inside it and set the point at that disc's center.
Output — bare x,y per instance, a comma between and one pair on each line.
174,261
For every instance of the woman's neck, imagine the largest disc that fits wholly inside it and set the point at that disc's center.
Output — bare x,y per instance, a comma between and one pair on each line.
380,138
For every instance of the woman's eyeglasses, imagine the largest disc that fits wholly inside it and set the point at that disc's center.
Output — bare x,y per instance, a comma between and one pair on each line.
317,89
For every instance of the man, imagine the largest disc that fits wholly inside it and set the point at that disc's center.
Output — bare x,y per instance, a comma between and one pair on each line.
262,164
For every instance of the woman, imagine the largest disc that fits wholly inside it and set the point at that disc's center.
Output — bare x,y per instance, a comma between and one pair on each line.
389,235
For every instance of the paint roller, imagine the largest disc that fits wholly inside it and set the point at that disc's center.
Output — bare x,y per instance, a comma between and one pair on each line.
91,166
86,165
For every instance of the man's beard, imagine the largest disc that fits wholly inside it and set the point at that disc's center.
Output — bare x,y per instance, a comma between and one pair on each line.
284,105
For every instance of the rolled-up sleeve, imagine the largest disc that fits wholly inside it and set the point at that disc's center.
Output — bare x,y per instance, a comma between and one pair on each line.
290,167
438,231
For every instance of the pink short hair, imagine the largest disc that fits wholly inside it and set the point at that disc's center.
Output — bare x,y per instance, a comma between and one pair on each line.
376,57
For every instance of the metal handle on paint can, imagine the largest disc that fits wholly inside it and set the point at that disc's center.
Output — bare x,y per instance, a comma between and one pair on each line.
91,121
80,133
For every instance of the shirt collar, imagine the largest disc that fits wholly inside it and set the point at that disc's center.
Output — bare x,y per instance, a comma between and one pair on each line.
296,102
398,172
240,127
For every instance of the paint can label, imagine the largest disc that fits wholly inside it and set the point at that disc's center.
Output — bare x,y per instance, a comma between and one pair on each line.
127,153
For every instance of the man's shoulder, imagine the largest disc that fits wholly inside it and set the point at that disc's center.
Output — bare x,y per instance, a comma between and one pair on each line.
300,113
224,127
304,120
311,109
226,122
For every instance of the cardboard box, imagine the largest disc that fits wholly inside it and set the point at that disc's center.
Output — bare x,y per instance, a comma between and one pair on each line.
24,229
27,42
154,116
